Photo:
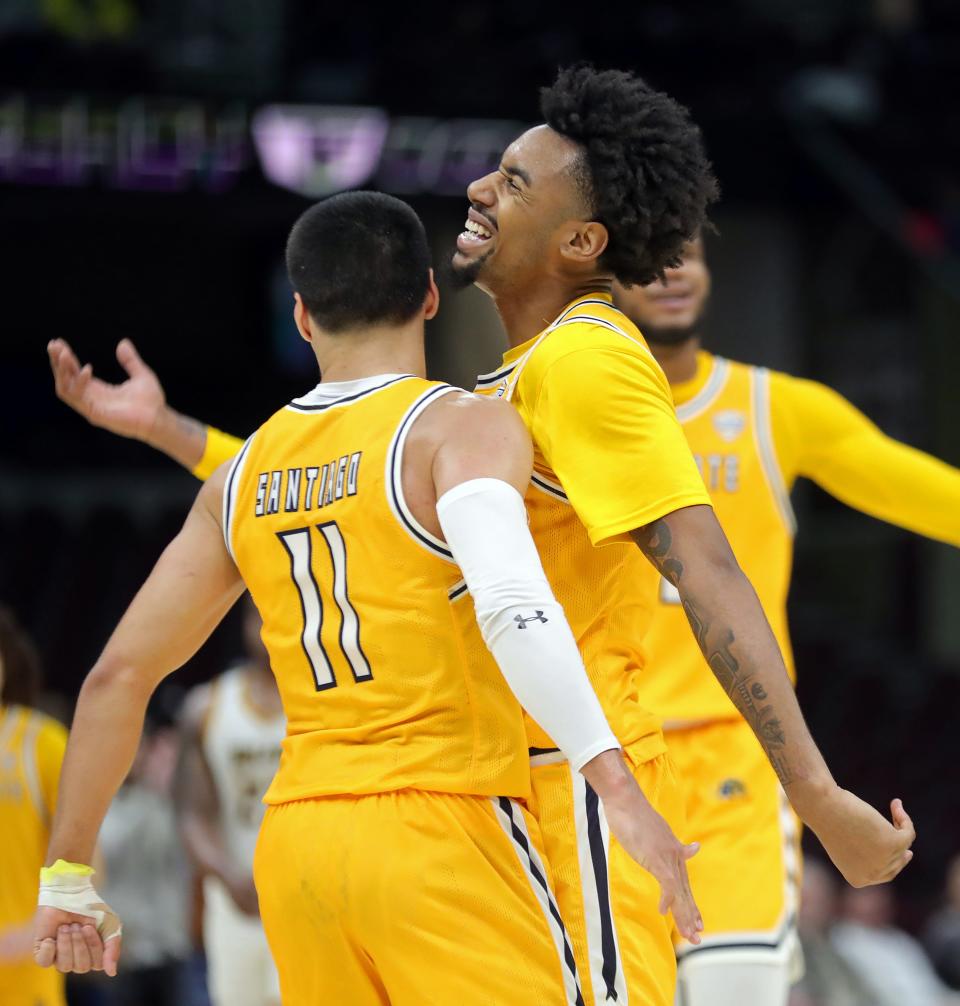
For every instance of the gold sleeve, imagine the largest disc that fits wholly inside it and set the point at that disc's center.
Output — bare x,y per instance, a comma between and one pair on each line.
219,447
821,436
605,423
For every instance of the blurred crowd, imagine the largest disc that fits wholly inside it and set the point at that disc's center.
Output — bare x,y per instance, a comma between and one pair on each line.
856,954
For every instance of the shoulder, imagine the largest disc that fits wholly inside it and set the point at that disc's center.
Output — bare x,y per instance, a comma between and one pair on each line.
471,419
592,365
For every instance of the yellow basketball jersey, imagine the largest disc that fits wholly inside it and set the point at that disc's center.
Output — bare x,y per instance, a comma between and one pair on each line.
31,753
385,680
727,424
609,592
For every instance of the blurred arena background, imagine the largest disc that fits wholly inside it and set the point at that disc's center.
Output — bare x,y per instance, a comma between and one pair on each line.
153,156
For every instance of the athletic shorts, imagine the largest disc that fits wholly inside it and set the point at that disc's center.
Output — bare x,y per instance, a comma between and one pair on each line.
411,899
623,945
745,877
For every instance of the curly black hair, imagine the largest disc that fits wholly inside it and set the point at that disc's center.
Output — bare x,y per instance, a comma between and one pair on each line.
644,171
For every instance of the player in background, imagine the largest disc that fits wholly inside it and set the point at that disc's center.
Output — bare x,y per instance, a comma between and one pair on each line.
379,525
753,433
611,187
231,730
31,753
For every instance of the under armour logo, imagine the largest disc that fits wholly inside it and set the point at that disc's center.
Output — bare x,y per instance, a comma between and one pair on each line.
522,622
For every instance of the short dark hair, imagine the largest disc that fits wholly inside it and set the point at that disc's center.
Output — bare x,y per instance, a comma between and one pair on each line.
359,258
21,662
644,172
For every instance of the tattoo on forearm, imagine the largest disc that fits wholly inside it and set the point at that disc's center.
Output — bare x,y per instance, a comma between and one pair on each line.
655,540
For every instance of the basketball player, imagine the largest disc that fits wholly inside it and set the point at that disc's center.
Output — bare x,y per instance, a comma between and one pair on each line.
231,731
753,433
378,524
31,752
609,188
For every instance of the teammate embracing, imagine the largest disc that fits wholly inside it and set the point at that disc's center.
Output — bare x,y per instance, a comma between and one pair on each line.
608,189
379,525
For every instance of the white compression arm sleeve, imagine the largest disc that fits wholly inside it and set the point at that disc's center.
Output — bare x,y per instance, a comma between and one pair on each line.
485,524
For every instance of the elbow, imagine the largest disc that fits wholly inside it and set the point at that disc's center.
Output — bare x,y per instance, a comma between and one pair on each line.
113,676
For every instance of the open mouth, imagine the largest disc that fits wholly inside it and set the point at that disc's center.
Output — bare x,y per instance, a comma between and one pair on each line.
475,234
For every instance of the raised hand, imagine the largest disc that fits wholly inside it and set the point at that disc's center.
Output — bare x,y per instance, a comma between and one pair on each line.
132,408
863,845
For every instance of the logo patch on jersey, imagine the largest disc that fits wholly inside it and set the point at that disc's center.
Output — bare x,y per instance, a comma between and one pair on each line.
730,789
522,622
729,424
501,388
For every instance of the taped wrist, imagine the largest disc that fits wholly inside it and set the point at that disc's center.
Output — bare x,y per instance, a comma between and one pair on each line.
69,888
485,524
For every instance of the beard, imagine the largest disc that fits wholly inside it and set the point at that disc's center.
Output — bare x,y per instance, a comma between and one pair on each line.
461,275
673,335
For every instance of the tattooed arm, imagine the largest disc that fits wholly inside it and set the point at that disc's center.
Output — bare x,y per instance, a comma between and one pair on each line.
689,549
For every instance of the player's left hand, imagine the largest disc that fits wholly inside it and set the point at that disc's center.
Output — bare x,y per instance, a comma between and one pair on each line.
71,942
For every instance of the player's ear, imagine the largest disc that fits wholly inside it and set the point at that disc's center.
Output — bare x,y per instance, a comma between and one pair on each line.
431,303
585,242
301,318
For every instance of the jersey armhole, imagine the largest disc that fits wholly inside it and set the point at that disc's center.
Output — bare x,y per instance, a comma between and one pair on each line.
393,477
231,490
763,435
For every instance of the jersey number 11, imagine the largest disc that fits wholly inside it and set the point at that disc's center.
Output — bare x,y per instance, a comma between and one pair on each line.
299,546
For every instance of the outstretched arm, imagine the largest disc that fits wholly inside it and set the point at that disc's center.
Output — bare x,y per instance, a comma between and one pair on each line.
821,436
689,549
137,408
192,586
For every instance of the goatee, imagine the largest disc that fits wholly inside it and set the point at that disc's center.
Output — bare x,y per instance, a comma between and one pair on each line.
460,275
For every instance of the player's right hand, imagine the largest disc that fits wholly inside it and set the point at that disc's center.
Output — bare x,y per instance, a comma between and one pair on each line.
130,409
648,839
863,845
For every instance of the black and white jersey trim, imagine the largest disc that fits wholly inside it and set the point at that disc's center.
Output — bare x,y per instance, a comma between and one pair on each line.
491,380
299,404
394,473
512,822
548,486
457,590
230,491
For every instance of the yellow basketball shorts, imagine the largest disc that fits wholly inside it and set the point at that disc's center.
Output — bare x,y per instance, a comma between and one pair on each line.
623,945
411,899
745,877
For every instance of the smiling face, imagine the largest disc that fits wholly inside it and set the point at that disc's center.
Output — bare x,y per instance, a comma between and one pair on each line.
672,312
522,215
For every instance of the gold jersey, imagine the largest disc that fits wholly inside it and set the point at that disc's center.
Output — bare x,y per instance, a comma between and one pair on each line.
32,747
754,432
609,457
385,680
727,424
